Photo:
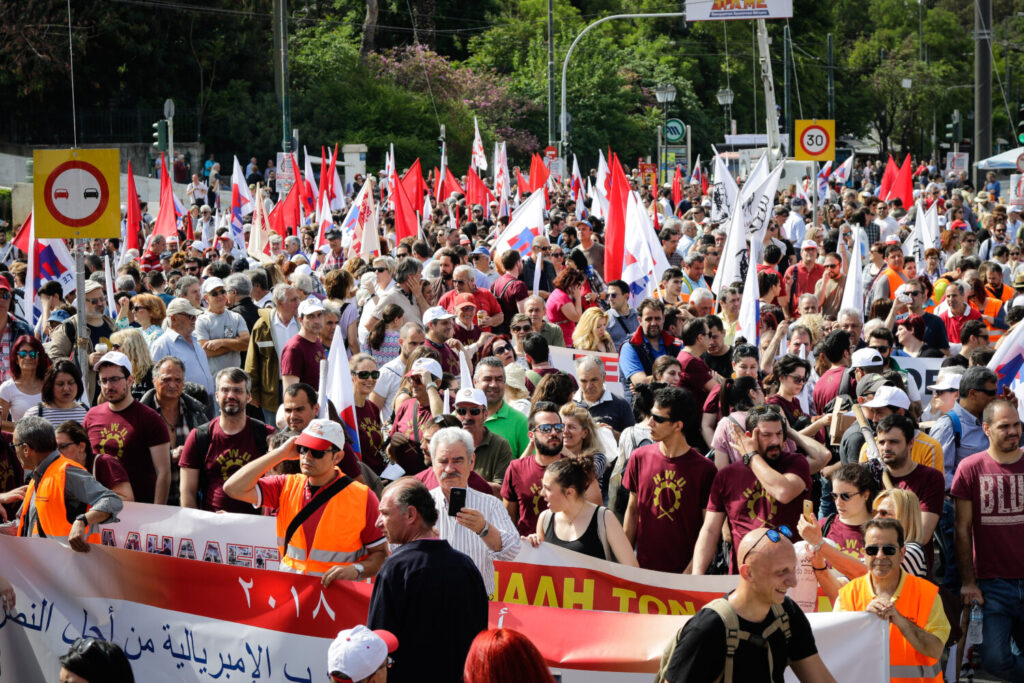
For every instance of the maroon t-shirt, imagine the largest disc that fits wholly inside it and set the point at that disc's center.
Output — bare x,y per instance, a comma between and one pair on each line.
449,359
996,492
127,436
671,495
827,388
371,435
791,408
508,291
109,471
227,454
712,404
739,494
928,484
850,539
695,374
476,482
465,336
522,485
302,358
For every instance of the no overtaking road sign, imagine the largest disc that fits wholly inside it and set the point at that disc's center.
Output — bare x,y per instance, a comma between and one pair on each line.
76,193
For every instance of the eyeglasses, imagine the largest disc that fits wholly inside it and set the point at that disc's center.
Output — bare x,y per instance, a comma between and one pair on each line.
887,549
914,292
772,535
62,446
136,309
522,328
306,450
543,250
5,296
462,282
367,374
845,496
882,513
660,419
712,253
469,411
28,354
94,302
17,444
558,254
880,349
499,350
115,347
548,428
112,380
192,269
798,379
218,292
987,392
379,270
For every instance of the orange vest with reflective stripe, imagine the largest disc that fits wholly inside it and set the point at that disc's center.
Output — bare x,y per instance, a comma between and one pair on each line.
895,278
51,511
338,537
906,665
992,307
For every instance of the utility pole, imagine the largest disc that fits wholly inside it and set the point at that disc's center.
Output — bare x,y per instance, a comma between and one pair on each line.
772,120
785,78
281,70
551,73
982,147
831,81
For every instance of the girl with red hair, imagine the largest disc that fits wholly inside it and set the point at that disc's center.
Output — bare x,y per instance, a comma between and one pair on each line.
501,655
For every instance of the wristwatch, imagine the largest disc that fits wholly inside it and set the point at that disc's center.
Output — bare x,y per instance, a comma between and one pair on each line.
748,456
359,569
83,519
486,530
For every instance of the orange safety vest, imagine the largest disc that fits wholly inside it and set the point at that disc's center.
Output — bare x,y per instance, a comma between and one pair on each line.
992,307
906,665
895,278
1004,294
337,540
51,511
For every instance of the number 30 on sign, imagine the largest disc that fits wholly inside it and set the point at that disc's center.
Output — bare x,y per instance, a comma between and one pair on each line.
815,140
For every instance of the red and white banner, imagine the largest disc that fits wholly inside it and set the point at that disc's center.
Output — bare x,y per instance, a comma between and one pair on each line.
565,360
179,620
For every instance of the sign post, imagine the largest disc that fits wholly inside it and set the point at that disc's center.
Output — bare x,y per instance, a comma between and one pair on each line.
76,195
815,141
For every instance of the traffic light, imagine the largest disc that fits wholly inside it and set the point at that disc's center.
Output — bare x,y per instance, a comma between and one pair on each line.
160,135
1020,124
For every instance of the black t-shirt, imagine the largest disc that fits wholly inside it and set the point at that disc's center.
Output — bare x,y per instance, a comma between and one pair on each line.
720,364
700,654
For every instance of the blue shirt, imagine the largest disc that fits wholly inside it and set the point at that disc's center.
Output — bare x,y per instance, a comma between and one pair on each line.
972,439
197,367
621,327
629,359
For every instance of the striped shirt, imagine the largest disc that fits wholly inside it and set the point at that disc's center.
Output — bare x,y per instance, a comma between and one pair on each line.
56,416
469,542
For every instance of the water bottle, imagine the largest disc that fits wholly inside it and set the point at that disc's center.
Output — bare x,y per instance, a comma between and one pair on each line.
974,626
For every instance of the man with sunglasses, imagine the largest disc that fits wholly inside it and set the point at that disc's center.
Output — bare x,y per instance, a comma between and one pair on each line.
541,249
622,319
222,334
934,329
338,538
918,627
493,454
464,281
521,490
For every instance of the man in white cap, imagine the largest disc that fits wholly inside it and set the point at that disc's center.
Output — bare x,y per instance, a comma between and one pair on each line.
134,435
493,454
890,400
801,278
440,328
359,655
301,355
337,538
223,334
179,340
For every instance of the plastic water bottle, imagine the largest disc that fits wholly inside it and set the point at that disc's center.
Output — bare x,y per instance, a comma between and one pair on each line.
974,626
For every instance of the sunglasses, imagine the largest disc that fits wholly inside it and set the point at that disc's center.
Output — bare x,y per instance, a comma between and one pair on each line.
543,250
94,302
62,446
521,328
557,255
660,419
462,282
882,513
547,429
5,296
379,270
772,535
136,309
880,349
469,411
987,392
367,374
501,349
218,292
886,549
306,450
28,354
845,496
115,347
799,379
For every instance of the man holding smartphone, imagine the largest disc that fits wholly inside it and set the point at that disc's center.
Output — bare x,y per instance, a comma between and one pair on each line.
472,522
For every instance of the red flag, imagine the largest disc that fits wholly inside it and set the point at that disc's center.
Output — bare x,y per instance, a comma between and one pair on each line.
451,183
405,215
538,173
134,215
286,214
476,192
677,186
325,178
524,184
166,224
437,184
887,178
307,200
921,168
615,229
414,184
903,184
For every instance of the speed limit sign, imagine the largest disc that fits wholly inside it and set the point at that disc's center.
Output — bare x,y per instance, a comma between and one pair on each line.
815,140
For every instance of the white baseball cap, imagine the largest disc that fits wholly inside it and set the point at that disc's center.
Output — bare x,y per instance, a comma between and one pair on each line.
471,395
436,313
946,383
357,653
866,358
211,284
887,396
809,244
114,358
421,364
309,306
322,435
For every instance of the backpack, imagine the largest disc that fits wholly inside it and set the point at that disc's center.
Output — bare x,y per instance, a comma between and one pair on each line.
733,636
204,438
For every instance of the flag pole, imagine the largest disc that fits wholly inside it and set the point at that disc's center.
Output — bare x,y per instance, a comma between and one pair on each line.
82,343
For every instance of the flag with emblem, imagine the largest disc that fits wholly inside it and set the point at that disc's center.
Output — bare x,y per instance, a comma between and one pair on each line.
48,259
479,160
526,223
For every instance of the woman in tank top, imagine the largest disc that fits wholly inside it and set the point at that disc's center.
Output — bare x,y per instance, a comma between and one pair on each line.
574,523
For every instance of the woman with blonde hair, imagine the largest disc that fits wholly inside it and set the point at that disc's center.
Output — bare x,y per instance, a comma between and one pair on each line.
581,437
905,507
591,333
131,343
149,311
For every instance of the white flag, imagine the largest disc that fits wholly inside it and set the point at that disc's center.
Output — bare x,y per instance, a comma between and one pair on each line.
479,159
526,223
749,321
853,292
842,174
723,192
638,264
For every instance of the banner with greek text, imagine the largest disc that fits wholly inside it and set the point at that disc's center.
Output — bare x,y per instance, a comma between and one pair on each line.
565,360
180,620
924,371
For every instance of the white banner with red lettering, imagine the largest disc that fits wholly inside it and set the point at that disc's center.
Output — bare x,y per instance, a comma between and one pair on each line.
565,360
180,620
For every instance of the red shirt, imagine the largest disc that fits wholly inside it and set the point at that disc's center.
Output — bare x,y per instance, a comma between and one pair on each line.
827,388
954,323
301,357
485,301
150,261
996,492
695,375
127,436
522,485
804,280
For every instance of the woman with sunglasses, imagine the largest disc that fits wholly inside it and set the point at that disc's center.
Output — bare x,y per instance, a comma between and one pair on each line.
565,304
789,376
62,387
520,327
904,506
365,373
744,364
736,398
383,343
29,364
501,348
418,401
591,332
148,312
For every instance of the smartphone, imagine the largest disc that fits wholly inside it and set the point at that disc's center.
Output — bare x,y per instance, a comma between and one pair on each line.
456,501
809,511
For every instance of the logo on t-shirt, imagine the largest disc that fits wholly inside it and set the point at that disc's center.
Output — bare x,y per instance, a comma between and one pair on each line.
117,433
1001,494
754,494
668,493
230,460
535,497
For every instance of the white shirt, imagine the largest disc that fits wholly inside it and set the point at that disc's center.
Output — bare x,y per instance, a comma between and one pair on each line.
469,542
887,226
794,229
282,332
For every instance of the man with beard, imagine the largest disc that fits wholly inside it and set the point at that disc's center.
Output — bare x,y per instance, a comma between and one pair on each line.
492,452
669,483
521,489
918,627
766,488
501,418
645,345
215,451
301,355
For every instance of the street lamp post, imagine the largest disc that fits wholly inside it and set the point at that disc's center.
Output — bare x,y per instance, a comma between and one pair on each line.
666,94
725,97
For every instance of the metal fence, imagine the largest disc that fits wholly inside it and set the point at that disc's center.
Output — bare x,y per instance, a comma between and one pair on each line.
94,126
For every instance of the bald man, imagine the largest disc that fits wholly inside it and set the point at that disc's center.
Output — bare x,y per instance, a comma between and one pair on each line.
767,568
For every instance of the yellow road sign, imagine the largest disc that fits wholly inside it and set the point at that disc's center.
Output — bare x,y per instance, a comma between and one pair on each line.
815,140
77,193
